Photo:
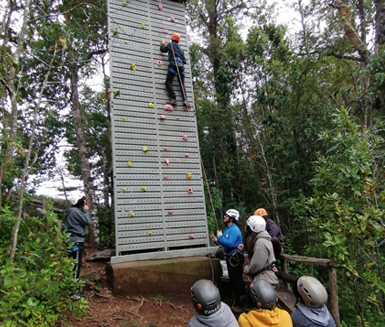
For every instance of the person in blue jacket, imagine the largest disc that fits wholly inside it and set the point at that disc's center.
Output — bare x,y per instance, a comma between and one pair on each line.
230,240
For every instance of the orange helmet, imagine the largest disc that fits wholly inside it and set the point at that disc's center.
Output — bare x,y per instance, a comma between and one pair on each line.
260,212
175,37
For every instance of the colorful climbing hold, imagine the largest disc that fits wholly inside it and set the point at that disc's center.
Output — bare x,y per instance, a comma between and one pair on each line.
163,117
132,214
167,161
150,105
129,164
143,25
133,66
123,189
187,154
126,42
160,6
165,177
189,175
124,3
159,62
124,118
149,233
165,31
177,118
190,190
192,236
170,212
162,42
144,149
165,148
168,107
172,18
185,137
144,189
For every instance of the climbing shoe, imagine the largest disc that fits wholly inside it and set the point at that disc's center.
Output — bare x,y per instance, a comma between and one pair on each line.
186,104
172,101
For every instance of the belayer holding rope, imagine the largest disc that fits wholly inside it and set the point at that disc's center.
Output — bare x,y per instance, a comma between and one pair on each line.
230,240
177,61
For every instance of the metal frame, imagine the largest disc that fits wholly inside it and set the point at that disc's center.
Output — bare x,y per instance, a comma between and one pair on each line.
166,214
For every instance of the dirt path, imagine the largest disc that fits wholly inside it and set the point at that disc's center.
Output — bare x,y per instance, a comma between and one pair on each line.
108,310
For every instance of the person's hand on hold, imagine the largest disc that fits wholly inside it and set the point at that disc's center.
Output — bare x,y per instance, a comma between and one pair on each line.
219,233
213,238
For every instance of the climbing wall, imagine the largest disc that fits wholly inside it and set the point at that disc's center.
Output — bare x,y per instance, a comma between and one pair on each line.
158,190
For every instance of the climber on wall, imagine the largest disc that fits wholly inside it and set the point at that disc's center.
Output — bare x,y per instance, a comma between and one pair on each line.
177,61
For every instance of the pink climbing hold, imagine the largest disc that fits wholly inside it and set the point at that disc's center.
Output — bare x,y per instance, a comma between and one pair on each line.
168,107
192,236
159,62
164,81
165,148
190,190
170,212
172,18
160,6
165,31
185,137
167,161
163,117
177,118
187,154
165,177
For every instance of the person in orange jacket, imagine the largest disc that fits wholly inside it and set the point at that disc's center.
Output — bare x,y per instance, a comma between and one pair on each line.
266,313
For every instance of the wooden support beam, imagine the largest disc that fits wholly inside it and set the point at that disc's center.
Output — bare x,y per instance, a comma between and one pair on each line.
334,309
310,260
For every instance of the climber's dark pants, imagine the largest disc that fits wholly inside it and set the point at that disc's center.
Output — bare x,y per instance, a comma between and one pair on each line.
172,72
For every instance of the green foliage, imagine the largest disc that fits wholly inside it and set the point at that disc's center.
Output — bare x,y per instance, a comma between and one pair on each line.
35,288
345,215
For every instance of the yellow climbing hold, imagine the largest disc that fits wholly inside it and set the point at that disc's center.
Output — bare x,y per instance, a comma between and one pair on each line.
124,118
149,233
150,105
123,189
189,175
133,66
144,189
144,149
143,26
132,214
129,164
124,3
126,42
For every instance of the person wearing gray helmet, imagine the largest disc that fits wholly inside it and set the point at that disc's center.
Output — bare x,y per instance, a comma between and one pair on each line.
311,309
265,312
209,310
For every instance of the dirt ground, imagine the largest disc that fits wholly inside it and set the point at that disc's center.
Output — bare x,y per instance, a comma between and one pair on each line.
108,310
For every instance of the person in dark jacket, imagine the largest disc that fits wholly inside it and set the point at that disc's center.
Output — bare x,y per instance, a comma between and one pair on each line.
230,240
311,309
77,219
210,311
273,230
176,61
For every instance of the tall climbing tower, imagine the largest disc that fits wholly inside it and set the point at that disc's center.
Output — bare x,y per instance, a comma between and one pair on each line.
158,188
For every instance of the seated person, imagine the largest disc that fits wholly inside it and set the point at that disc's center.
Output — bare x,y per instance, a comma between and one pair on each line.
311,309
273,230
209,310
265,312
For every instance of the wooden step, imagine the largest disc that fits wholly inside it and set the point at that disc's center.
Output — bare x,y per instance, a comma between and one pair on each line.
286,299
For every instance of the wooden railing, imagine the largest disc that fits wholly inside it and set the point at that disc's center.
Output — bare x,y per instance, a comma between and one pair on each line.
323,263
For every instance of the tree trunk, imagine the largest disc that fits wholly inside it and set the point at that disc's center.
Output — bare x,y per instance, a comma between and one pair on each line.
380,22
82,148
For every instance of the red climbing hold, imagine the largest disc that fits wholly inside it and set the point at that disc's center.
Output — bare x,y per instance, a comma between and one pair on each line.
185,137
172,18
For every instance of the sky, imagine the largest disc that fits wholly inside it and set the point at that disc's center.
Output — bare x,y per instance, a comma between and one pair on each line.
49,186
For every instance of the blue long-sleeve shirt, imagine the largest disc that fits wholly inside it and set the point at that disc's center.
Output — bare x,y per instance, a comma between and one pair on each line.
230,239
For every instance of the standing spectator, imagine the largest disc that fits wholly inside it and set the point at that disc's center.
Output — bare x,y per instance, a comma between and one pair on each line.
273,230
260,251
311,309
77,219
230,240
265,312
209,310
